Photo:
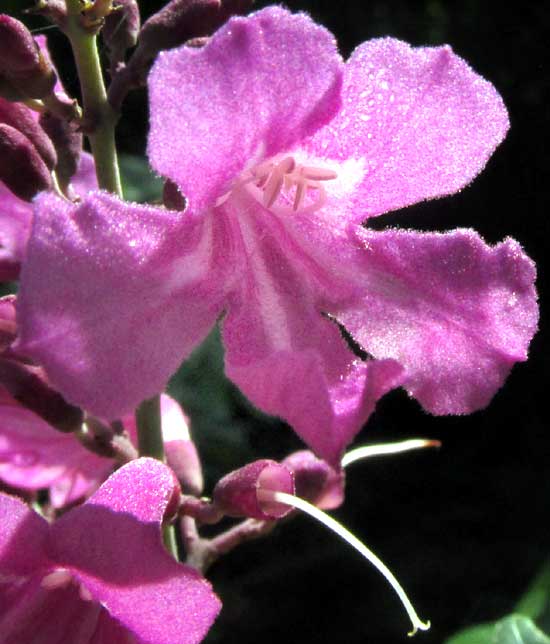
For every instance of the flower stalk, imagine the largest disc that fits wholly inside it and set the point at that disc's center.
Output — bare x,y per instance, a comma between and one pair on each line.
98,117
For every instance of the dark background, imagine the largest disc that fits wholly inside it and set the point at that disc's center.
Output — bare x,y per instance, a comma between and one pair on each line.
464,528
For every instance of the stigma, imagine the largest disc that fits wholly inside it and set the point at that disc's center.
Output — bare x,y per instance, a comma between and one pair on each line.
283,183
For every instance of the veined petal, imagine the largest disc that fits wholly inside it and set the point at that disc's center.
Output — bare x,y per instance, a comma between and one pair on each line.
272,79
112,544
421,120
455,312
290,360
136,288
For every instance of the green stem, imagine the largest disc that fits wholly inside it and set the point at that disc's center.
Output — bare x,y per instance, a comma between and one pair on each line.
98,114
149,429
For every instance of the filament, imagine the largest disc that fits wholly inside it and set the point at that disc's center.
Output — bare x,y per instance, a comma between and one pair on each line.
387,448
353,541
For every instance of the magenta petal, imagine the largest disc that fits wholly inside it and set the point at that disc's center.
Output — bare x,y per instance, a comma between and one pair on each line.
15,226
136,288
291,361
22,539
113,545
33,455
272,79
423,122
455,312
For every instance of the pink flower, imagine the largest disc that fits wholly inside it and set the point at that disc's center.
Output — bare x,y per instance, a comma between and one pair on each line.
283,151
34,455
100,574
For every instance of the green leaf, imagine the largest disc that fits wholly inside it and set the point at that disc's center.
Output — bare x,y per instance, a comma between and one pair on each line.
139,183
517,629
535,603
480,634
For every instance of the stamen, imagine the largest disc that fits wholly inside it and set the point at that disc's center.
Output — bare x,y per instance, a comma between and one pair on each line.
275,177
318,174
57,579
346,535
274,184
387,448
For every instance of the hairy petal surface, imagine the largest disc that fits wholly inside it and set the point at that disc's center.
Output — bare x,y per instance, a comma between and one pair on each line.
22,539
16,219
271,80
421,121
113,545
137,288
290,360
455,312
33,455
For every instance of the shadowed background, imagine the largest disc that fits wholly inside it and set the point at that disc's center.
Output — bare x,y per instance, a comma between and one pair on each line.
464,528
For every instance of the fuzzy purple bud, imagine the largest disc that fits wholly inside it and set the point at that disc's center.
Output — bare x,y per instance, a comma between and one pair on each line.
22,169
237,493
177,23
21,118
22,63
316,481
120,30
67,141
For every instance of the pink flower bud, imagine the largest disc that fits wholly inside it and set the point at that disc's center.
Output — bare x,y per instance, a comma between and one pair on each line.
8,326
237,493
21,118
316,481
22,63
22,168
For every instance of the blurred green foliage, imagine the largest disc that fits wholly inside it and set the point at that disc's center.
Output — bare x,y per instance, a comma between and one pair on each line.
522,626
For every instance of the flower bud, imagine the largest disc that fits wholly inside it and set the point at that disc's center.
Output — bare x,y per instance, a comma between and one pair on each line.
175,24
22,63
22,168
8,326
21,118
120,30
30,387
237,493
53,10
181,453
68,145
315,480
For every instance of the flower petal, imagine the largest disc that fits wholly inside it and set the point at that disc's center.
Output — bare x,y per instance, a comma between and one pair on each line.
22,539
33,455
422,121
290,360
112,544
455,312
273,78
15,226
136,288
